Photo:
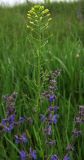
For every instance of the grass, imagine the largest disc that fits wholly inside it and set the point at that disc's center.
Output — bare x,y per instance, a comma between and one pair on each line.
65,50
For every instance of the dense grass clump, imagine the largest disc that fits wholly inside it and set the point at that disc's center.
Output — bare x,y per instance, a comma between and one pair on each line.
44,64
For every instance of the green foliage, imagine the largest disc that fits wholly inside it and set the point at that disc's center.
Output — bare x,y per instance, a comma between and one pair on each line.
82,7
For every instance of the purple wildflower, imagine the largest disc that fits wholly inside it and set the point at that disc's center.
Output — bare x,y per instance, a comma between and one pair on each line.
24,138
33,154
78,120
11,118
53,118
23,155
17,139
42,117
9,122
66,157
54,157
76,133
4,121
51,142
21,139
7,127
10,110
53,108
10,100
21,120
48,130
52,98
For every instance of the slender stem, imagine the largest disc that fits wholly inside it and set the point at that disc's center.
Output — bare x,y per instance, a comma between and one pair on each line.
39,71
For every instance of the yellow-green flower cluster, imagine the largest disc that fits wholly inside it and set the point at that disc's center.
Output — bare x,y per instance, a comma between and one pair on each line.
38,18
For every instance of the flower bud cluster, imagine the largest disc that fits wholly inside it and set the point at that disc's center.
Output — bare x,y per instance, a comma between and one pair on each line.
38,18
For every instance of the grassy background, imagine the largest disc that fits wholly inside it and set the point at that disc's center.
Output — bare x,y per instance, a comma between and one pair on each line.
65,50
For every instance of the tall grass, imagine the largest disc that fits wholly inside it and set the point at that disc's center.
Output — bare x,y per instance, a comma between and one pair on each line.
64,50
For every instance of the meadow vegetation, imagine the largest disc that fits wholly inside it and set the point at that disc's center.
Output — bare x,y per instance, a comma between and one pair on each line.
61,51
